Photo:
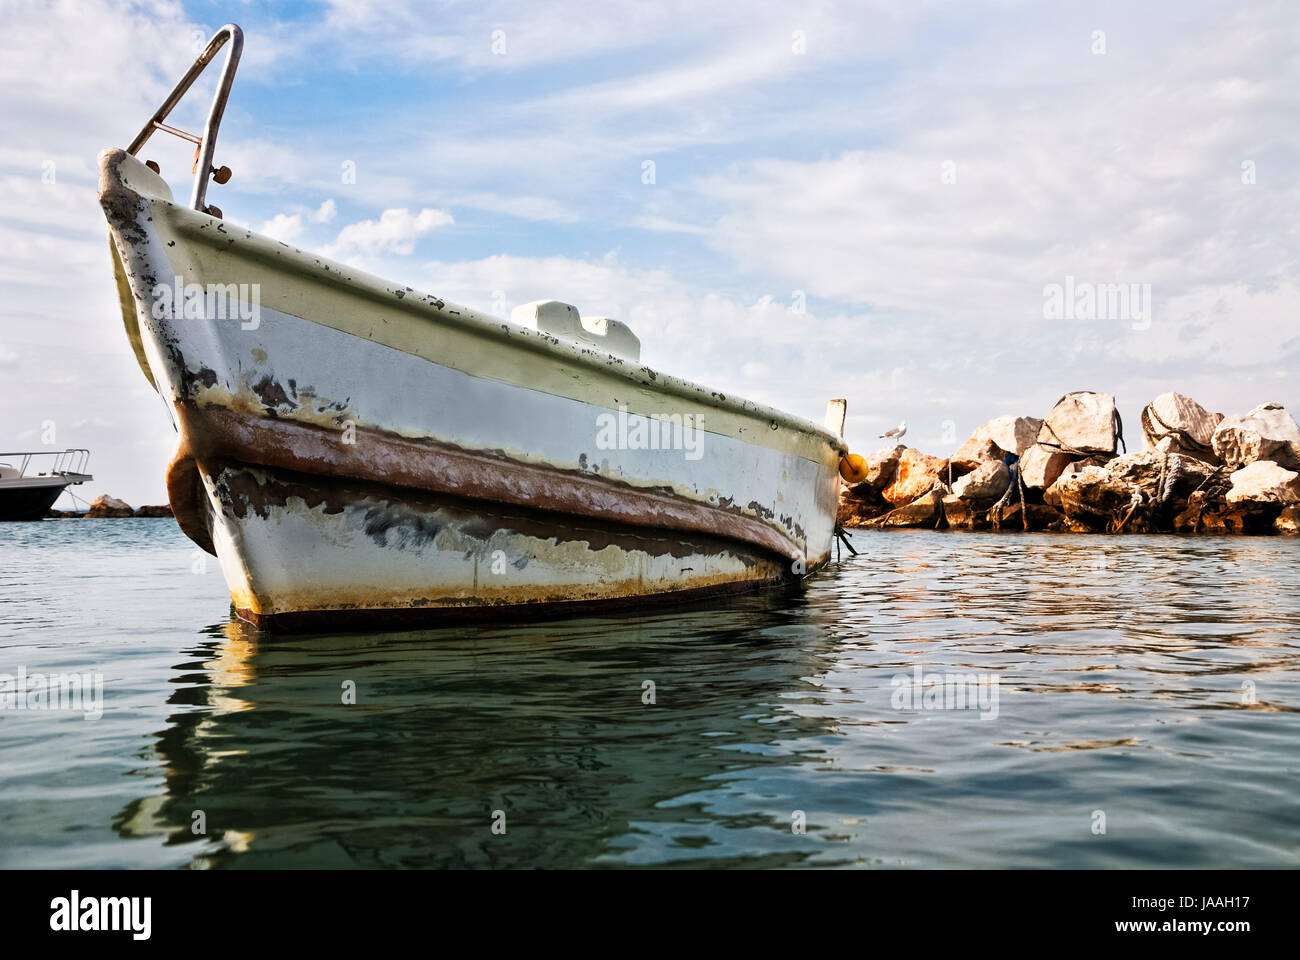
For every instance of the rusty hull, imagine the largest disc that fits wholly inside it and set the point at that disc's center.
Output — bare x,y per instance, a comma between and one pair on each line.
400,557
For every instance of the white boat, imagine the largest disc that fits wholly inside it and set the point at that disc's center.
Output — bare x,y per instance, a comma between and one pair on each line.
354,449
32,480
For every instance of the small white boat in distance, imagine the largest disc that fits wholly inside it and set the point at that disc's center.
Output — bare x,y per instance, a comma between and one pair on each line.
31,481
355,450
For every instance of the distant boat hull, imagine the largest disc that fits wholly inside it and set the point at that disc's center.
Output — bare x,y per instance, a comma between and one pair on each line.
359,451
31,500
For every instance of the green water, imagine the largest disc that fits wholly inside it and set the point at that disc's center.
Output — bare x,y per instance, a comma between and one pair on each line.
1153,681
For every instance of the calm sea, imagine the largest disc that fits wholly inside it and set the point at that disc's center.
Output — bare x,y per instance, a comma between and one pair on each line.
941,700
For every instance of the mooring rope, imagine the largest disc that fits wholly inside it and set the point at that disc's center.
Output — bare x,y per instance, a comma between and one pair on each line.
841,535
995,512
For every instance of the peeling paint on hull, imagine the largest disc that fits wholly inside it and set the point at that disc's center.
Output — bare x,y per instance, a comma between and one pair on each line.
292,545
368,451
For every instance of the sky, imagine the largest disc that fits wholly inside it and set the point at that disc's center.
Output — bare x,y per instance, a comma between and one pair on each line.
786,201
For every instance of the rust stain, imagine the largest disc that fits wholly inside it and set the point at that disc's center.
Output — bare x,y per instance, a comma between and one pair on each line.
399,520
386,459
258,491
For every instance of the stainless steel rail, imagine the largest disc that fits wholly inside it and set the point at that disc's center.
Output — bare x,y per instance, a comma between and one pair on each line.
66,463
207,143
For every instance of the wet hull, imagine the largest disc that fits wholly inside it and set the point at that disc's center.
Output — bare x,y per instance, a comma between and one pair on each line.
292,547
29,502
362,451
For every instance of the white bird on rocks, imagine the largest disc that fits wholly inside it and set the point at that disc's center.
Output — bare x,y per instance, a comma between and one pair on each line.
896,433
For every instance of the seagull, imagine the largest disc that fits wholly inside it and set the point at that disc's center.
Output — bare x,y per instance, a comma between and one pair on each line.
896,433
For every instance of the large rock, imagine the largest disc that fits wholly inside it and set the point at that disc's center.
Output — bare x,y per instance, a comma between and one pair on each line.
962,514
1040,467
1015,434
925,511
1075,466
153,510
860,503
1288,521
1172,423
1264,482
1134,492
1082,423
1205,506
979,448
882,466
1251,500
1266,433
106,506
916,474
994,440
1090,496
985,484
1033,516
1171,477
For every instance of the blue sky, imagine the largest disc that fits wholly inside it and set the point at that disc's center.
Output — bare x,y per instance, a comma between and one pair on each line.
918,171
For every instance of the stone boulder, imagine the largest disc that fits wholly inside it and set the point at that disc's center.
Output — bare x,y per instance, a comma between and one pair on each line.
962,514
1252,500
994,440
860,503
1082,423
985,484
1040,467
1032,516
1134,492
106,506
1090,496
1288,521
1266,433
1205,505
916,474
1168,477
882,466
979,448
1172,423
153,510
924,511
1015,434
1264,482
1075,466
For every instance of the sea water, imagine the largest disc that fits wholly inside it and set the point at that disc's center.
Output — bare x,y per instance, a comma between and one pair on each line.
939,700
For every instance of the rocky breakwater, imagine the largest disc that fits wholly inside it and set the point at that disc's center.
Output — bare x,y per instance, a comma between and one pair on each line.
1201,472
105,507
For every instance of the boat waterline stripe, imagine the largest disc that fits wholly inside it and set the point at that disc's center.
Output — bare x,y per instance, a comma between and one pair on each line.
217,432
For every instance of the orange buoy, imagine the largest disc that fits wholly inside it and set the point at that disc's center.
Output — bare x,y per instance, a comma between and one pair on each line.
853,468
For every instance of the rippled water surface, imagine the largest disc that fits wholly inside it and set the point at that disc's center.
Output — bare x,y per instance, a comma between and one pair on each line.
1146,686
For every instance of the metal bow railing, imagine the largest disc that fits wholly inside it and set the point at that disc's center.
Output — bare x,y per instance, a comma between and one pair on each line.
206,144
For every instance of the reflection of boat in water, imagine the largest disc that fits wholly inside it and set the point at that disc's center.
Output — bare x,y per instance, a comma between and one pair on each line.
29,483
353,448
545,722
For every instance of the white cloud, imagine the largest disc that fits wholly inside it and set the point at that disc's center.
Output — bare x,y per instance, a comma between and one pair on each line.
325,212
290,227
283,227
395,232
